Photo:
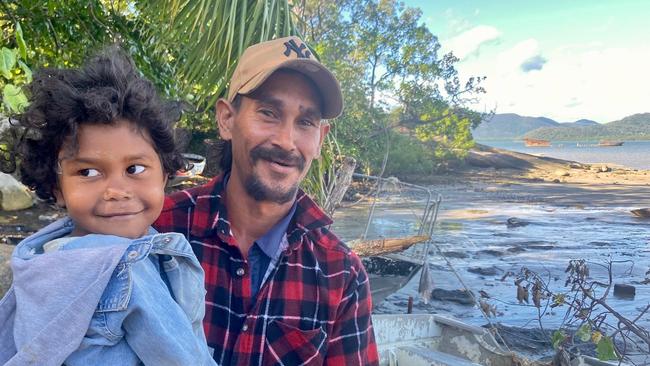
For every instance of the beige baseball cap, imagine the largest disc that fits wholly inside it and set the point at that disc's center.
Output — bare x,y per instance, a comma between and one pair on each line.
261,60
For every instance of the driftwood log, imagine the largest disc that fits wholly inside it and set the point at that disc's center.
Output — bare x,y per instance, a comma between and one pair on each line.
642,212
366,248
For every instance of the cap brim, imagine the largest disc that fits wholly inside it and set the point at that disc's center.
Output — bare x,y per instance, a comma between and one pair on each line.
325,81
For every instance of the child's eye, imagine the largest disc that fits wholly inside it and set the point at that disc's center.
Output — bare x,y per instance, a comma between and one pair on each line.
89,172
135,169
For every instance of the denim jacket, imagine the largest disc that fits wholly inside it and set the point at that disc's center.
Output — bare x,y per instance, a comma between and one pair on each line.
104,300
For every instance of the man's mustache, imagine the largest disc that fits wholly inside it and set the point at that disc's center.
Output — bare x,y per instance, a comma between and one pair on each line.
278,155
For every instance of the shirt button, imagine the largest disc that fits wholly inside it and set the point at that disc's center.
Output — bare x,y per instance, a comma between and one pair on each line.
244,328
167,239
133,254
240,272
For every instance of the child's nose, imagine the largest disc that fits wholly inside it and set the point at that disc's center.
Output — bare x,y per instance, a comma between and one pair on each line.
116,194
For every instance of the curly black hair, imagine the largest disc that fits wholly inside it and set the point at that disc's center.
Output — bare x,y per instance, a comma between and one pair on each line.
105,90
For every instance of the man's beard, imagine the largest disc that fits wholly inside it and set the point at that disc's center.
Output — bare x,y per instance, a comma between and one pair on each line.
262,192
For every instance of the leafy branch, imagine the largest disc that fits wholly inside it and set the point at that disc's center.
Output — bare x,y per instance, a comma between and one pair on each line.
589,317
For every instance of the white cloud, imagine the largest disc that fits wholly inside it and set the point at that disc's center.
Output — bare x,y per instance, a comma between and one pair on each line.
603,84
470,41
512,58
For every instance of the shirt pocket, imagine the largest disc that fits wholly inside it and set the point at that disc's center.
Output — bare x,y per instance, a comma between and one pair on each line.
289,345
113,305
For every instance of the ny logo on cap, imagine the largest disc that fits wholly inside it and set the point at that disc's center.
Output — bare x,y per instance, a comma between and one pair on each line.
301,51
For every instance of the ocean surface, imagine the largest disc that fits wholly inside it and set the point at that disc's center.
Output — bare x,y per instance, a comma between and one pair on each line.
633,154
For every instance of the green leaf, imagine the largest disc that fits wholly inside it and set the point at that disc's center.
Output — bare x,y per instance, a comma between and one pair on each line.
22,46
605,349
26,70
584,332
7,62
14,98
558,338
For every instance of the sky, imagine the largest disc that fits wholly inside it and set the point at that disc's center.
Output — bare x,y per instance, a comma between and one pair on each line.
565,60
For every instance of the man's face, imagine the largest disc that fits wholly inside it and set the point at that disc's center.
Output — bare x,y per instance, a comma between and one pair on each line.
275,134
114,183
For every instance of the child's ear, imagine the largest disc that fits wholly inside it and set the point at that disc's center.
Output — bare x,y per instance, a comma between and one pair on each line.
60,201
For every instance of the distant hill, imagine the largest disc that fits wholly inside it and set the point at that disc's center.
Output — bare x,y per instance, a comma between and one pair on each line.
635,127
510,126
507,126
581,122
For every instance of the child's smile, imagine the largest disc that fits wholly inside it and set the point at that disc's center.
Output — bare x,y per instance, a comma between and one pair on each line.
114,183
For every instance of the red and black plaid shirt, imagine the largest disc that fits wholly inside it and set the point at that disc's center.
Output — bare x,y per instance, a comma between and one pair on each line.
314,308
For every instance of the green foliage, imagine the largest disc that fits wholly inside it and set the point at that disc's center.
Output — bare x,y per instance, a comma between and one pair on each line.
407,157
393,80
204,40
7,62
584,332
15,72
323,171
605,349
558,338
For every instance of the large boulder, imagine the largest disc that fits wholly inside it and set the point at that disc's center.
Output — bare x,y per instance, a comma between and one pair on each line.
13,194
5,271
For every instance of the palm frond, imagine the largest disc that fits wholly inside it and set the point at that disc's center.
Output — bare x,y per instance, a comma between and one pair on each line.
206,37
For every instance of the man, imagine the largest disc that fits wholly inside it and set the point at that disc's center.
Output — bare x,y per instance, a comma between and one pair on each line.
281,288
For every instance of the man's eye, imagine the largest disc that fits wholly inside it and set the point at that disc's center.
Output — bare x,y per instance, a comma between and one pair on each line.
267,112
135,169
89,172
307,122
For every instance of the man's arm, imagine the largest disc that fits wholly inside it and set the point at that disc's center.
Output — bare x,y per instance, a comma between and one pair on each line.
352,341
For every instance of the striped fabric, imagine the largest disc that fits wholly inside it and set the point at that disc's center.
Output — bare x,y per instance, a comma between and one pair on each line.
314,308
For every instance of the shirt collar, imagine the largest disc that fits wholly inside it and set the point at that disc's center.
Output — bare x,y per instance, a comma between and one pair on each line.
270,241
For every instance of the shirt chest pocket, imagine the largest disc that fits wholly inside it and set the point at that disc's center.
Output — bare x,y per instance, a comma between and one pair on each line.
111,309
289,345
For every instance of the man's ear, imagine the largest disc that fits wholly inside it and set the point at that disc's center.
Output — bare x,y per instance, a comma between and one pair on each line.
324,129
60,201
225,118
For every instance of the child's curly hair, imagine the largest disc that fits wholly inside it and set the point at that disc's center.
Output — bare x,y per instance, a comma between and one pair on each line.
106,89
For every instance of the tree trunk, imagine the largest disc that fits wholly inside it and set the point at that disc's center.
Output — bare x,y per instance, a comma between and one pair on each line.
341,184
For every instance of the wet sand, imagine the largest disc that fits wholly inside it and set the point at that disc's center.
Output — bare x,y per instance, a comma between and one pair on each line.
568,211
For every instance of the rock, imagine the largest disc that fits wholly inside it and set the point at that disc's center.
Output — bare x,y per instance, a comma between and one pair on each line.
542,246
5,271
624,291
562,173
576,166
48,217
458,296
15,196
453,254
604,169
516,249
484,271
515,222
492,252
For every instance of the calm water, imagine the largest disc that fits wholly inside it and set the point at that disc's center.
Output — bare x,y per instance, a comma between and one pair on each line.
633,154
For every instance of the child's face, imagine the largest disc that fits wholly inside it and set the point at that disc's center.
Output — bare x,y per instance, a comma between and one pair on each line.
114,184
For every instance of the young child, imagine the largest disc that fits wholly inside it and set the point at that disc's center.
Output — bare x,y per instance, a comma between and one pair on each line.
101,287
